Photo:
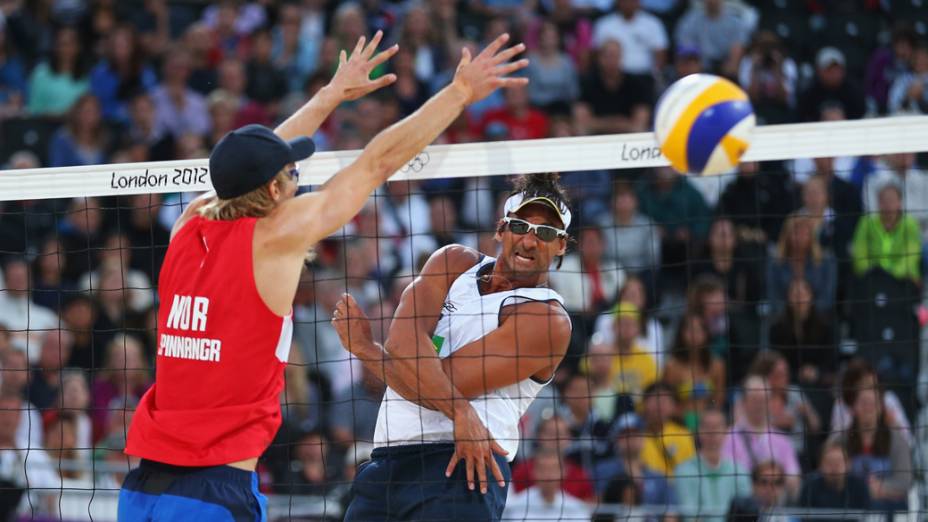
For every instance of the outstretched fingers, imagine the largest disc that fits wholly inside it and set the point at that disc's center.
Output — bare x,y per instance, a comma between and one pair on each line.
507,54
372,46
383,56
508,68
495,45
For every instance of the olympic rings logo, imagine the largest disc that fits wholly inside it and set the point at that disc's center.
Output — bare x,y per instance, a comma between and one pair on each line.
418,163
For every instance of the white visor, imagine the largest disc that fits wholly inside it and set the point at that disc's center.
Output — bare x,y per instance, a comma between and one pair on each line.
519,200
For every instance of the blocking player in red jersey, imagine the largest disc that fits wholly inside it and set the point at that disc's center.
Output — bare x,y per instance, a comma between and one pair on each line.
228,281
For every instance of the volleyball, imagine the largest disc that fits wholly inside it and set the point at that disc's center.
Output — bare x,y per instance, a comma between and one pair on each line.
703,124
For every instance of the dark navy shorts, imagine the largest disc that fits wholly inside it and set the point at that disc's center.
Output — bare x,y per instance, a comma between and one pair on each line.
156,492
409,483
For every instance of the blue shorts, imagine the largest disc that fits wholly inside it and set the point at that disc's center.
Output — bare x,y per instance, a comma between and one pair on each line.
156,492
408,483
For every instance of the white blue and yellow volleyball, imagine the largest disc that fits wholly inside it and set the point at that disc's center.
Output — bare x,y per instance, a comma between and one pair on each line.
704,124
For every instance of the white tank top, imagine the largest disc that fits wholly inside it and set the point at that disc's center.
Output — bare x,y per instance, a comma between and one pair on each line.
466,316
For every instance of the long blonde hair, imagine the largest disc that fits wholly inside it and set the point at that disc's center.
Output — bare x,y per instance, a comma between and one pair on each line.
257,203
784,249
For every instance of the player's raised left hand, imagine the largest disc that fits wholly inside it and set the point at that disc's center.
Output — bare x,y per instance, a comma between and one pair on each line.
353,80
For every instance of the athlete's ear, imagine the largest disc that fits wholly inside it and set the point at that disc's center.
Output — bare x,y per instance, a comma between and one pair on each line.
562,246
274,190
500,227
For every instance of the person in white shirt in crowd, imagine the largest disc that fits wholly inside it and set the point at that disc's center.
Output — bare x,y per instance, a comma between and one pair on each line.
14,377
909,92
900,170
27,320
545,500
405,226
587,280
642,36
651,333
720,30
27,477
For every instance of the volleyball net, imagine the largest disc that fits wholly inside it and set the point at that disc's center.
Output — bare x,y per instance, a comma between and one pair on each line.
775,312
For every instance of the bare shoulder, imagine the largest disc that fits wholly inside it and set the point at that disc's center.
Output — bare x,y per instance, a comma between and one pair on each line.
449,262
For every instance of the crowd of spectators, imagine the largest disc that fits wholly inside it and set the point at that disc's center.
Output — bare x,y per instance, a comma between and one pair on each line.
733,344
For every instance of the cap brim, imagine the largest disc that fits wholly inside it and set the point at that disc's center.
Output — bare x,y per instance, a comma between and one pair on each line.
541,201
301,148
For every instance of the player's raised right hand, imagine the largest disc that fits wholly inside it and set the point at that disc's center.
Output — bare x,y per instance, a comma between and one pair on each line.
474,444
479,76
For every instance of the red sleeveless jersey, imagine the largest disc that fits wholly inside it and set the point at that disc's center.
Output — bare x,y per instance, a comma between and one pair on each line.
221,353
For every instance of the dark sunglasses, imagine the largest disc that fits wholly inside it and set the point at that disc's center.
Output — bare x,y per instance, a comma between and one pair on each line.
294,174
545,233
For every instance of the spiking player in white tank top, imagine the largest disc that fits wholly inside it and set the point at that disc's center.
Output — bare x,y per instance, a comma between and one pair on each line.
472,342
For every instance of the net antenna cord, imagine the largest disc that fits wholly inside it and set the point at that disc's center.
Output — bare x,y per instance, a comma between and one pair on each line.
615,151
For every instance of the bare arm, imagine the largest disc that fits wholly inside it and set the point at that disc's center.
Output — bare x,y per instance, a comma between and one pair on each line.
302,221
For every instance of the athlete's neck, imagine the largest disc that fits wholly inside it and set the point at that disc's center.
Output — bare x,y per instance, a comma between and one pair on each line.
500,279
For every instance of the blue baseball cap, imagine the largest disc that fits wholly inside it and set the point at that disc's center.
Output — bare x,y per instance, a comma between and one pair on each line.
250,156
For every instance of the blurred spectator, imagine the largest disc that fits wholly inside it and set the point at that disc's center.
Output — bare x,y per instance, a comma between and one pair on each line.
756,202
706,484
652,487
551,73
405,225
546,500
421,34
730,336
55,84
63,449
83,139
843,198
81,232
12,77
831,87
122,72
687,60
348,25
888,64
14,382
666,443
233,80
589,432
27,475
232,22
142,129
606,403
354,411
28,320
553,434
79,315
650,331
116,254
769,76
878,454
794,414
178,108
799,255
198,42
832,486
521,120
901,170
770,488
726,260
313,332
694,372
266,82
633,369
859,375
681,215
410,91
631,238
293,55
888,240
619,102
719,30
223,108
641,35
124,374
443,215
148,238
830,232
575,28
752,440
805,336
587,280
45,384
74,400
909,91
49,288
313,470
